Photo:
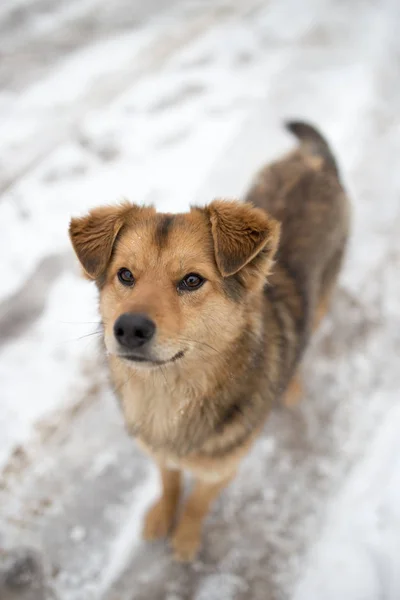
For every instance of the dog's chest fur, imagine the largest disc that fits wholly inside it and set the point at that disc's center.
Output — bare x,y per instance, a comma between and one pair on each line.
156,408
164,409
181,415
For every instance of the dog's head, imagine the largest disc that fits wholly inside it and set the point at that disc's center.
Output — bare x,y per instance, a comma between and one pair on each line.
174,285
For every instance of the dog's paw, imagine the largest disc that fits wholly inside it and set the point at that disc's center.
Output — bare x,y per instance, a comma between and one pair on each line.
158,521
186,542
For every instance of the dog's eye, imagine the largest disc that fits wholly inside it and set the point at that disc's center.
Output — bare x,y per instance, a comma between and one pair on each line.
190,282
126,277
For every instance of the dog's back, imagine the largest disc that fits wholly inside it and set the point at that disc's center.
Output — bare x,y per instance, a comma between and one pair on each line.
303,191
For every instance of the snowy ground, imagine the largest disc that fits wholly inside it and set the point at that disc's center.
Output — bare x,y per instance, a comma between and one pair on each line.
175,102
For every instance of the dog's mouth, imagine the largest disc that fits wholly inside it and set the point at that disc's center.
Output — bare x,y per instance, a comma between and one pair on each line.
152,361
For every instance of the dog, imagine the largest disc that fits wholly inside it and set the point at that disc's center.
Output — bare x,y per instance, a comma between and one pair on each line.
206,316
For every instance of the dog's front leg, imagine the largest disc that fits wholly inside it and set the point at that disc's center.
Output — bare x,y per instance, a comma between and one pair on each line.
187,536
160,517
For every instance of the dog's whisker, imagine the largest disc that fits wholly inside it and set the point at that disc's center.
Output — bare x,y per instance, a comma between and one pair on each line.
81,323
165,378
82,337
89,335
119,388
200,343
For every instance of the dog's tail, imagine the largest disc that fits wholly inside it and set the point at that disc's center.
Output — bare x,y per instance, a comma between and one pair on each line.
314,143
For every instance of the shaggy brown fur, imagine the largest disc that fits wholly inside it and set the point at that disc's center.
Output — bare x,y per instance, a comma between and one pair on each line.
196,395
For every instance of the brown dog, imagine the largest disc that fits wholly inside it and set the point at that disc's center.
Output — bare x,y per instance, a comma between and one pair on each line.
206,317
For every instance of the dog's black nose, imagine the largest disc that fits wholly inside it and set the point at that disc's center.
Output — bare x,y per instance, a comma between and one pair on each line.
133,330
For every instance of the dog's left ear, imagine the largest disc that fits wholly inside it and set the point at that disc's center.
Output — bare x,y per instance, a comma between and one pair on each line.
93,236
240,233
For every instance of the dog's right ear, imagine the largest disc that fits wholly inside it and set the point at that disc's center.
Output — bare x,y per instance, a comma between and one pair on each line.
240,233
93,236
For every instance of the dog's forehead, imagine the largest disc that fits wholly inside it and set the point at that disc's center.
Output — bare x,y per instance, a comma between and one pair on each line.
167,238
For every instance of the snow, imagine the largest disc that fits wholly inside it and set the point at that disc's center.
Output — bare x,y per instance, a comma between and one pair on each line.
181,103
360,541
51,354
130,536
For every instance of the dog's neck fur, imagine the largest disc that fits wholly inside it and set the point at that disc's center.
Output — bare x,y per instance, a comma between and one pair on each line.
175,409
